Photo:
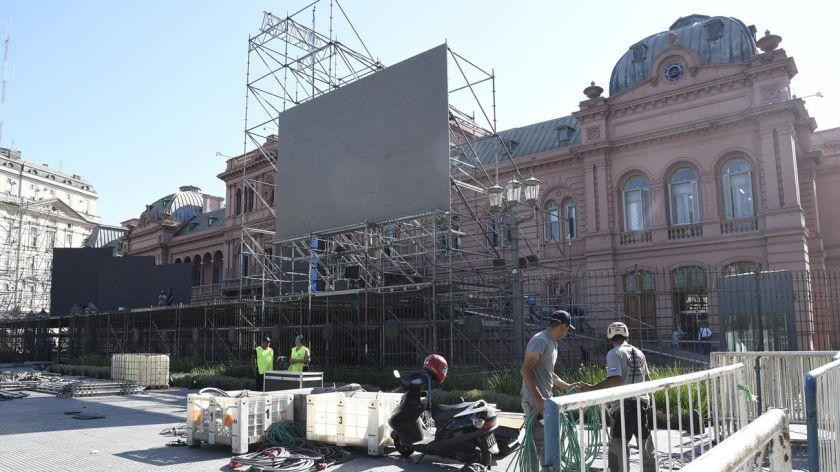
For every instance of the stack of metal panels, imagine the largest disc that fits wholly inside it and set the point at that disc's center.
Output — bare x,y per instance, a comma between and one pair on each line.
78,388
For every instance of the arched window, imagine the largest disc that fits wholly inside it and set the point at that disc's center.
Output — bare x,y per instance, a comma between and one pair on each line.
684,198
636,196
551,220
238,202
244,263
570,217
737,189
741,267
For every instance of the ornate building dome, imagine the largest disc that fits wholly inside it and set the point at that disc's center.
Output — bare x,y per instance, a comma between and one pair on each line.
182,206
715,39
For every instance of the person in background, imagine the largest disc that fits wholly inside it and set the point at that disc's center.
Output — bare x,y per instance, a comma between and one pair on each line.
676,336
626,365
263,362
704,333
300,356
161,300
170,297
538,375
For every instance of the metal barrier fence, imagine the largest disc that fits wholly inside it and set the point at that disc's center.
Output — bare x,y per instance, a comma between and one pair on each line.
708,401
823,416
777,378
765,439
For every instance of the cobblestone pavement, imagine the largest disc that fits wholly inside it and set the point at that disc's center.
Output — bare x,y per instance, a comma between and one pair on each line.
36,435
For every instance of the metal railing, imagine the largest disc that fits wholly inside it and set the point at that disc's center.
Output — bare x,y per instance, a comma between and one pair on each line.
685,231
705,404
823,416
765,439
636,237
777,378
739,225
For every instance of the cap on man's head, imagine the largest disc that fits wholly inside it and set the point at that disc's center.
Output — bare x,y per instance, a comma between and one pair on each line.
561,317
266,340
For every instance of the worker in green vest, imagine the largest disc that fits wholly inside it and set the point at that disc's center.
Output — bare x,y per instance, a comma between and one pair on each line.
300,356
263,361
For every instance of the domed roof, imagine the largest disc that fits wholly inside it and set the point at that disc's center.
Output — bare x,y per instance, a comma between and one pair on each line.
182,205
716,39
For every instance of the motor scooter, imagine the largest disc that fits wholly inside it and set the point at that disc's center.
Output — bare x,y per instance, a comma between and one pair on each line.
463,432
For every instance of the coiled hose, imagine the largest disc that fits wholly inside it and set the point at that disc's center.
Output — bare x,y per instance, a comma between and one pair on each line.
570,450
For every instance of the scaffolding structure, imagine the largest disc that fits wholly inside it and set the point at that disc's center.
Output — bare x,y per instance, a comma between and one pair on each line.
450,259
27,237
289,63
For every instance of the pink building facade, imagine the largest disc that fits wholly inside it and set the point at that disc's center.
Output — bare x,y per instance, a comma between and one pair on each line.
699,162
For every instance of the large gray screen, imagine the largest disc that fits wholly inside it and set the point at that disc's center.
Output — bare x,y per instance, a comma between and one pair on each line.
375,149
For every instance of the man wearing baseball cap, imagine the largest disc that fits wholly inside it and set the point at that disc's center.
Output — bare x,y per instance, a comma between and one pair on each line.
626,365
538,375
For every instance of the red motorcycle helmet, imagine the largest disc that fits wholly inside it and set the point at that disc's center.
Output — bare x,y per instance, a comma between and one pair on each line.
436,366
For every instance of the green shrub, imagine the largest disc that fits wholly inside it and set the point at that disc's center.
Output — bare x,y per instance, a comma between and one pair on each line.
96,372
198,381
503,402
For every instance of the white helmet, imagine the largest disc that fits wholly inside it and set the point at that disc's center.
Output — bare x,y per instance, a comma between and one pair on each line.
617,328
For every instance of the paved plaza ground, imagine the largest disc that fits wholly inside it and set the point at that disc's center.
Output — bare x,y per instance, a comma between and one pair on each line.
36,435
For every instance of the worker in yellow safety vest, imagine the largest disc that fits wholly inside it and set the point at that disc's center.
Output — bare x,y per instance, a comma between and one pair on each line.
300,356
263,362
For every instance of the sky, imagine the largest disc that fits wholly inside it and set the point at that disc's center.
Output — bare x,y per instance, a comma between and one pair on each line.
138,97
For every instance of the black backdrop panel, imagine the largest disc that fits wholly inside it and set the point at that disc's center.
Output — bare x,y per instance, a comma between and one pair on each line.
80,276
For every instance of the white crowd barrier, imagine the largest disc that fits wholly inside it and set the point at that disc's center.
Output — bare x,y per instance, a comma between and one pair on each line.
777,378
767,438
708,401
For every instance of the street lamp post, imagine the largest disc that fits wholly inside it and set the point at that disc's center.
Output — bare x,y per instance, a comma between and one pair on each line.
504,201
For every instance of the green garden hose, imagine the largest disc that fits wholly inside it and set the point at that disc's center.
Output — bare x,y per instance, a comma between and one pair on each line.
284,433
570,450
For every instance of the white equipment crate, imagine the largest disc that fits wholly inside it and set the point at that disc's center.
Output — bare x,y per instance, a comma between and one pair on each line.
357,419
237,422
148,370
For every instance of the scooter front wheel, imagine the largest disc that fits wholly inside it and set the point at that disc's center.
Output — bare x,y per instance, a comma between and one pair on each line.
404,450
484,457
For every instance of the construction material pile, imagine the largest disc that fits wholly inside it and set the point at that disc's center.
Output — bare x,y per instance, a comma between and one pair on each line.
305,458
64,386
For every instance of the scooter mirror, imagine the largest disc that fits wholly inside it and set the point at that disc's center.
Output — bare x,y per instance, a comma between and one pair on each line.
396,373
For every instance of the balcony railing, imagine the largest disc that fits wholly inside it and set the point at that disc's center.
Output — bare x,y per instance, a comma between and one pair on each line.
685,231
629,238
206,292
739,225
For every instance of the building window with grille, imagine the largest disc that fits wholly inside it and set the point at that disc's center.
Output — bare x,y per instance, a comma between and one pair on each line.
640,302
636,197
551,220
684,198
737,189
690,299
570,217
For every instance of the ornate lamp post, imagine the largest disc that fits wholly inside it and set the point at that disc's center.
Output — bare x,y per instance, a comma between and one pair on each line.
504,202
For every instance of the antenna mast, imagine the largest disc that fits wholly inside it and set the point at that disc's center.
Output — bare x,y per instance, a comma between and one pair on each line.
5,67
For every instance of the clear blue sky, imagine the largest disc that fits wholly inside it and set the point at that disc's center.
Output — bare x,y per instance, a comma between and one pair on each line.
137,97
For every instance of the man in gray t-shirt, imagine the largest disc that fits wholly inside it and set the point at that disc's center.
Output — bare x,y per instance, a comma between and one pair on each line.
538,375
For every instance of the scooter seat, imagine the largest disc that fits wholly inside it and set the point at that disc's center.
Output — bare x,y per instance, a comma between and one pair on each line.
447,412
